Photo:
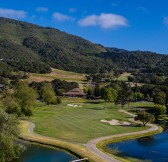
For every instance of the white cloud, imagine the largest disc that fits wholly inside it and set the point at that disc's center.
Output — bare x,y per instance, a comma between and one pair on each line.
165,20
61,17
10,13
104,20
42,9
72,10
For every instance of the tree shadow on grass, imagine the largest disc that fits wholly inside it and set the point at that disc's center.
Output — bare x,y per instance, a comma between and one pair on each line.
101,108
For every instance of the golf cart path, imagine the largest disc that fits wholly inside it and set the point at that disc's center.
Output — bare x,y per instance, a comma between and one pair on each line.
91,145
31,131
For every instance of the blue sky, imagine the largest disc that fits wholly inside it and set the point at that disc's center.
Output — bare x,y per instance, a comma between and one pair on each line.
127,24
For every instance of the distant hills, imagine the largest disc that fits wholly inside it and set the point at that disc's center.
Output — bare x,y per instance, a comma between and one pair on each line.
29,47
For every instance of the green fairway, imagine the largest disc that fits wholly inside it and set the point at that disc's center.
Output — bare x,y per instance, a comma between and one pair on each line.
79,124
142,104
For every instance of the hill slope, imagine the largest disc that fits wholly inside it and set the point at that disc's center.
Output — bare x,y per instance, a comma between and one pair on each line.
23,44
145,61
28,47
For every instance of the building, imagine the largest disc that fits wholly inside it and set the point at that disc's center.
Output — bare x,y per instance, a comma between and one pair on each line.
1,87
75,93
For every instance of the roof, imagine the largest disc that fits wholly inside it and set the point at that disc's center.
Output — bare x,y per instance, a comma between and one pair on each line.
1,85
75,92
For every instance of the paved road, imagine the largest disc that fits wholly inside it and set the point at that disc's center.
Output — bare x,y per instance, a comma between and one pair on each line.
31,131
91,145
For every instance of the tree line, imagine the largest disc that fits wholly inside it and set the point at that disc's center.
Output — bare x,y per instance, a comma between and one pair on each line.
19,102
121,93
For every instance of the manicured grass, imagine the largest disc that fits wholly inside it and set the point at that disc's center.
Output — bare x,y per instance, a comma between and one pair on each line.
77,150
79,124
142,104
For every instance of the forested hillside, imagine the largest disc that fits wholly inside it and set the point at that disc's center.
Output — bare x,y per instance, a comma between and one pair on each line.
33,48
145,61
28,47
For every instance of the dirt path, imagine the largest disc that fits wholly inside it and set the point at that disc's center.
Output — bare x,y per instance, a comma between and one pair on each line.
91,145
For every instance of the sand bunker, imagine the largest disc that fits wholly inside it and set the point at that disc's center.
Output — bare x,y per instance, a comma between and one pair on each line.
116,122
74,105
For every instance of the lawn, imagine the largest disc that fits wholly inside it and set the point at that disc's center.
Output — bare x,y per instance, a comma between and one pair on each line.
141,104
79,124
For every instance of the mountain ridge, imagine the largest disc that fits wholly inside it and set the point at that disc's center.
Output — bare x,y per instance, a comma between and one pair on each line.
34,48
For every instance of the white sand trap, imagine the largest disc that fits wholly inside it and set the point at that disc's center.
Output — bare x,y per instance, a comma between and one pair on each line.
126,123
116,122
74,105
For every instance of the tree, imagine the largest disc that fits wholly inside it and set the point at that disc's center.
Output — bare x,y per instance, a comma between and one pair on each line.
139,96
8,133
110,94
48,94
88,78
28,112
9,103
148,97
125,95
13,108
130,95
60,92
102,92
132,79
97,91
158,110
25,97
58,100
117,74
159,98
144,117
59,84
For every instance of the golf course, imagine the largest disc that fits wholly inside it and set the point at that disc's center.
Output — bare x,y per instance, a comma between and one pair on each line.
81,123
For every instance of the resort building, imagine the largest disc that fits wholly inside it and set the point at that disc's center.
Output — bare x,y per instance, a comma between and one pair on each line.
75,93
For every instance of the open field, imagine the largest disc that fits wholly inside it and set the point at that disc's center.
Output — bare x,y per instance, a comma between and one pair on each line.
57,74
79,124
124,77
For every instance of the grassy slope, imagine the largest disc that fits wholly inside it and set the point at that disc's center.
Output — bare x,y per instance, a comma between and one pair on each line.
79,124
57,74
